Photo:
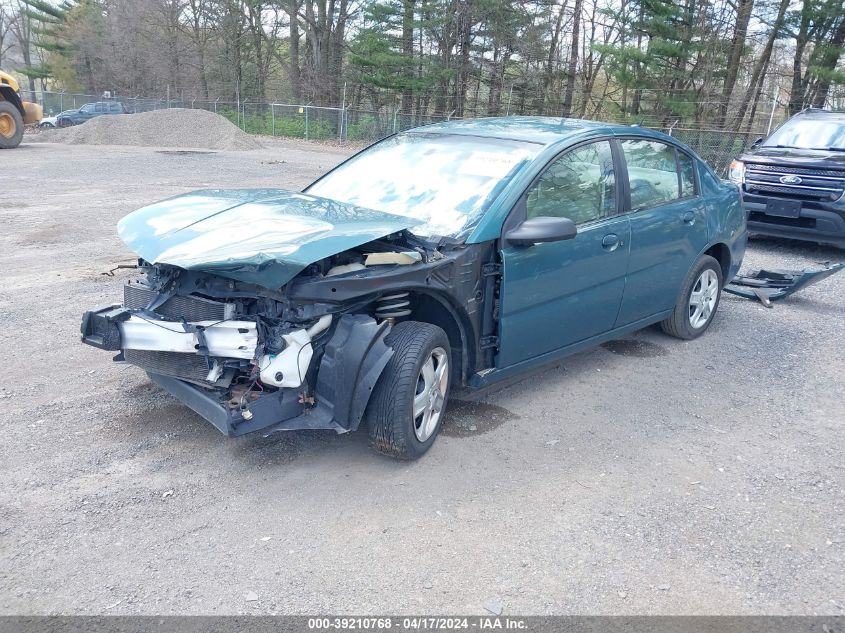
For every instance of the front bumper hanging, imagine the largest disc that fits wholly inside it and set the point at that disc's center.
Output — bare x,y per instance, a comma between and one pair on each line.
350,362
767,286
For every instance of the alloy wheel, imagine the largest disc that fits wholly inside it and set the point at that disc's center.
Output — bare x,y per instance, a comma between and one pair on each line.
703,298
430,393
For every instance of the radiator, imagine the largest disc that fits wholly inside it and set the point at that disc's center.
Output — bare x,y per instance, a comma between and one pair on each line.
138,297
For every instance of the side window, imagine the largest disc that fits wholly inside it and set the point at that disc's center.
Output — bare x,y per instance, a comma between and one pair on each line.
687,167
115,107
652,172
101,107
580,185
88,108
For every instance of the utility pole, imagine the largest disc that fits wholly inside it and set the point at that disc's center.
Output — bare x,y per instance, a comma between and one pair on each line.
342,114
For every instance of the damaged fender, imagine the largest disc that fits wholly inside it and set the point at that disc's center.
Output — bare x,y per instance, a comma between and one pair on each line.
353,359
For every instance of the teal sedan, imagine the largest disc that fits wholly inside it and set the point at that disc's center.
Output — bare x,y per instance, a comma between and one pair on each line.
456,254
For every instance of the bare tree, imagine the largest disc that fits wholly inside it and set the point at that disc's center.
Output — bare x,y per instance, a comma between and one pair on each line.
21,28
200,29
743,17
5,31
572,64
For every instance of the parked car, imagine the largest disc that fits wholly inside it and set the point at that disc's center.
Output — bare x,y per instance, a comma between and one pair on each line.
88,112
793,181
457,254
49,122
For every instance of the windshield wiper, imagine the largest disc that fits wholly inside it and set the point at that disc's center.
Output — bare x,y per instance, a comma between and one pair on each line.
835,149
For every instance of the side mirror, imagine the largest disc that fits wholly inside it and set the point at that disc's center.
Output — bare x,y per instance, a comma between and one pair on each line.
757,143
542,229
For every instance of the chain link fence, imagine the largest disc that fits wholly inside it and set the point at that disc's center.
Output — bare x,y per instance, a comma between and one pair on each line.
310,122
717,147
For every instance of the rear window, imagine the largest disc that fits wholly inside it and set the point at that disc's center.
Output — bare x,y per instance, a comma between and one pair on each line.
652,172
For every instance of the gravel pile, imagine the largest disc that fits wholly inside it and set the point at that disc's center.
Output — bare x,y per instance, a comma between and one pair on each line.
176,127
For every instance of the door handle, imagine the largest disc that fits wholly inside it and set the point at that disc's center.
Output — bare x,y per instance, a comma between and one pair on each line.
689,218
610,242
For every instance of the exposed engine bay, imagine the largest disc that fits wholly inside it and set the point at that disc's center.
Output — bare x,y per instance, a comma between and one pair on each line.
306,355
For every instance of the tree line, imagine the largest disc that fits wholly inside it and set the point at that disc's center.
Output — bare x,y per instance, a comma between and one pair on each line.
702,63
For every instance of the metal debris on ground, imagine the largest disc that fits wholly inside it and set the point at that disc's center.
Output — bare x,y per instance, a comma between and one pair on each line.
493,606
771,285
110,273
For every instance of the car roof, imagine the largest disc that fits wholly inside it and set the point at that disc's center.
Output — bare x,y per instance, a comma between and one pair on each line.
818,113
544,130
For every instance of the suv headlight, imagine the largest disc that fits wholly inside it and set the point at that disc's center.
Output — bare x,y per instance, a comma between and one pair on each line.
736,172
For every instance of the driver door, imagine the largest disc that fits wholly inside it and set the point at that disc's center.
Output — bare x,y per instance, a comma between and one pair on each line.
86,111
557,294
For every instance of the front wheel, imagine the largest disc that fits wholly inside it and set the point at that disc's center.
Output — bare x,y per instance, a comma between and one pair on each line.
699,299
405,411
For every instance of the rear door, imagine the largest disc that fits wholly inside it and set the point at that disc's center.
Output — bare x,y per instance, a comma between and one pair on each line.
559,293
668,225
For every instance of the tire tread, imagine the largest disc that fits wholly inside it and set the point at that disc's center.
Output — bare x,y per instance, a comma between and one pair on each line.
388,405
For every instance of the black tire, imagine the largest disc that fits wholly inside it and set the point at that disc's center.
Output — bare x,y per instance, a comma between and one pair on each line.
12,123
389,414
679,324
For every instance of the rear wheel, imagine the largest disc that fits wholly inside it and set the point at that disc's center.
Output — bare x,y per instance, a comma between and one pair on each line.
697,304
405,411
11,126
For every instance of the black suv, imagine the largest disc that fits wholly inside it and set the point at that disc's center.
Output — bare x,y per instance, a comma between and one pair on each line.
88,112
793,182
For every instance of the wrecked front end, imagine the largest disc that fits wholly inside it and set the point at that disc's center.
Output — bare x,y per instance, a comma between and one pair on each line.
244,357
268,310
212,319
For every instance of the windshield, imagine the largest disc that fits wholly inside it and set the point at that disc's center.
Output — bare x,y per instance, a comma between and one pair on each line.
445,180
809,134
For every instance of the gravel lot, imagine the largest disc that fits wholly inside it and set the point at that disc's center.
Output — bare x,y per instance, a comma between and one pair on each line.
651,477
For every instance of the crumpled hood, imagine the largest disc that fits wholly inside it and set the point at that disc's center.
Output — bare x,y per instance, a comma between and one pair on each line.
261,236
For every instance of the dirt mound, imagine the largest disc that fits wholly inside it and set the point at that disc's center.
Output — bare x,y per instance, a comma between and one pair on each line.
176,127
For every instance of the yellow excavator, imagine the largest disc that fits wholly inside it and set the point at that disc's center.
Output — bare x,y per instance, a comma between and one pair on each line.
14,112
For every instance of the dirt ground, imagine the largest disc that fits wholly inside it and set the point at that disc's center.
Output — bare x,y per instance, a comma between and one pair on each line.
652,476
